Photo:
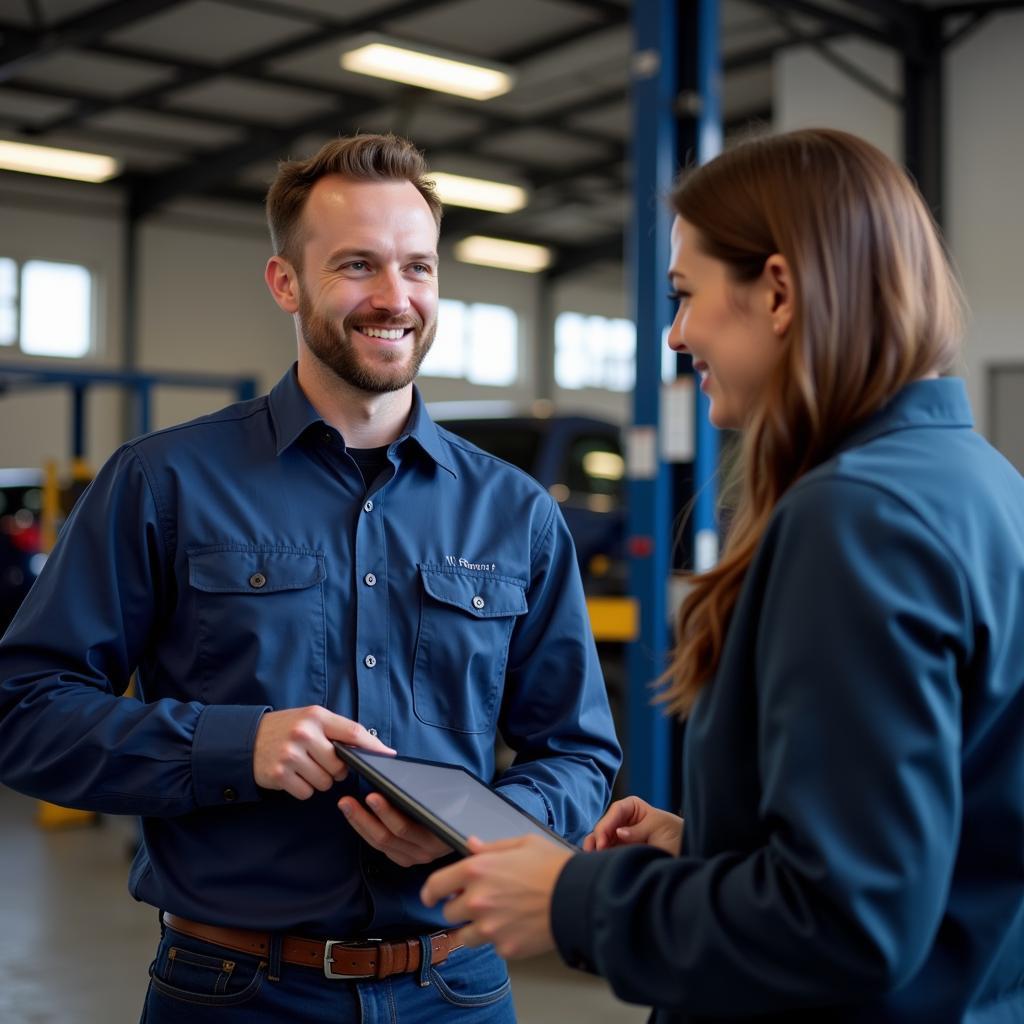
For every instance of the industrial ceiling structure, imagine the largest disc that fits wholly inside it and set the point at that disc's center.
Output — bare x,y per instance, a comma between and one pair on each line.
203,97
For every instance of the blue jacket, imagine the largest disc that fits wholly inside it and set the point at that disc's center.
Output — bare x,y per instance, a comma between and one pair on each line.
854,773
239,563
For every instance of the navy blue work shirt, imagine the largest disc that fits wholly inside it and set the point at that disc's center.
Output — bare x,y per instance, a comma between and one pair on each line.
238,564
854,773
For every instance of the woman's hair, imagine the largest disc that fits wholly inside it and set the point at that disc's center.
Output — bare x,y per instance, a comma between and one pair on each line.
876,306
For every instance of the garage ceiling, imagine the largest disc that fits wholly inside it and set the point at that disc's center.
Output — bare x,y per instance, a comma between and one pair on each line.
203,97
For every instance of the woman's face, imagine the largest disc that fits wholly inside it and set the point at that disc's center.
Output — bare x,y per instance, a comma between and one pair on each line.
733,331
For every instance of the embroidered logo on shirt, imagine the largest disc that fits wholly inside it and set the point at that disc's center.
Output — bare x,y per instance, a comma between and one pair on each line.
462,563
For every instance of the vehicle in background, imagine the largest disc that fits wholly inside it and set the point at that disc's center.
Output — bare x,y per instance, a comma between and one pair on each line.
581,462
21,499
579,459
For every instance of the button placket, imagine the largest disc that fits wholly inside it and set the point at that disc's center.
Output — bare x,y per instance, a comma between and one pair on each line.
370,603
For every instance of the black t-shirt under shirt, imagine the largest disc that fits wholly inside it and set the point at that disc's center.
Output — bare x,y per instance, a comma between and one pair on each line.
371,462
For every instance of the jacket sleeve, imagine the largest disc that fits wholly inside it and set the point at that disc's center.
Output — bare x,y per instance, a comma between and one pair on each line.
66,733
555,713
861,621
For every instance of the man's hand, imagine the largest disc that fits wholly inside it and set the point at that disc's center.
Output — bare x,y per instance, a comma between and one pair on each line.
294,749
634,821
504,890
400,838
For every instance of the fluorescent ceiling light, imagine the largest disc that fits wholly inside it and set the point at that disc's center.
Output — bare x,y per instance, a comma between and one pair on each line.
57,163
478,193
427,69
500,252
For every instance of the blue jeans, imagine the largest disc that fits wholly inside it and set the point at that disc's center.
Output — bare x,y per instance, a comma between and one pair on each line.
196,982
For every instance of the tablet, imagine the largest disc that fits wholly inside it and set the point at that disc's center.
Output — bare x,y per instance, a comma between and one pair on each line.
451,801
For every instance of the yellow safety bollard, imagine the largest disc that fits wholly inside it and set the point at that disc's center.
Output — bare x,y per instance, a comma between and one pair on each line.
52,815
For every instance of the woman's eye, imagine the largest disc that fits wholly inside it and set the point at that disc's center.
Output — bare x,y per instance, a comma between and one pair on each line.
678,296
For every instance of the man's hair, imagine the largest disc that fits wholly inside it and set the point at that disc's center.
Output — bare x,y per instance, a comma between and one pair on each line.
356,157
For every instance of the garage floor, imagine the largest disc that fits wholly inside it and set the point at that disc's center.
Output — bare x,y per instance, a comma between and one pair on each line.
56,886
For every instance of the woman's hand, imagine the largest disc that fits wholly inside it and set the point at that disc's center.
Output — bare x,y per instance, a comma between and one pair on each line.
634,821
504,891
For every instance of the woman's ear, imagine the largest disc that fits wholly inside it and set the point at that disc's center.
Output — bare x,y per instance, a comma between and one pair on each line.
779,292
283,283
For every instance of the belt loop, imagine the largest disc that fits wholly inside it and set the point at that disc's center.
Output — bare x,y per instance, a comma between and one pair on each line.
274,966
426,955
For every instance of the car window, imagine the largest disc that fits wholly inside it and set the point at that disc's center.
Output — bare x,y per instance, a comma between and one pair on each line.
515,442
595,471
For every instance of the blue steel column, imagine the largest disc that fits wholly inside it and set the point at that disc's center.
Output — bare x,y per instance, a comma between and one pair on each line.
708,125
648,731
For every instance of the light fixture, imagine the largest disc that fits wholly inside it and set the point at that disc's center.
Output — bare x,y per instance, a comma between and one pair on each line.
427,68
57,163
480,194
502,253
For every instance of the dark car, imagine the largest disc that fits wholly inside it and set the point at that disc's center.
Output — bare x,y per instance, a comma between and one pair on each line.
579,459
20,558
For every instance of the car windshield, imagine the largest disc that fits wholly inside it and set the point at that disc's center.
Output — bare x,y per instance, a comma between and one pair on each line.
516,442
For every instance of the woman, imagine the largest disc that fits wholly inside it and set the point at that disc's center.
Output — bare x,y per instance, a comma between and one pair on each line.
853,668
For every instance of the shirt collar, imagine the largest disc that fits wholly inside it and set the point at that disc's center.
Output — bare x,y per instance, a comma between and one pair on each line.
290,411
924,403
423,430
292,414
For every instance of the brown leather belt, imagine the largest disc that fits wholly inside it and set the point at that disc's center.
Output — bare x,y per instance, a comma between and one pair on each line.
364,958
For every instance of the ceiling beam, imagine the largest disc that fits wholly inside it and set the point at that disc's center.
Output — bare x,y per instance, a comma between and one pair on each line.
829,18
194,73
22,49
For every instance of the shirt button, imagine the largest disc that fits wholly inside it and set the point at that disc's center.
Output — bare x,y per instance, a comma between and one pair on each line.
369,661
229,794
368,507
372,732
478,603
370,580
257,580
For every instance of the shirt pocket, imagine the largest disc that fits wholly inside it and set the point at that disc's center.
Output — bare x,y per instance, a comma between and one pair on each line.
260,624
466,622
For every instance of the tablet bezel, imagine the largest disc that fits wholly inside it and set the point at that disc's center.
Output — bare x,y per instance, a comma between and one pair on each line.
355,759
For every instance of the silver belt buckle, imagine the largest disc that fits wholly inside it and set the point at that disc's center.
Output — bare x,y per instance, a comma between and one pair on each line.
328,959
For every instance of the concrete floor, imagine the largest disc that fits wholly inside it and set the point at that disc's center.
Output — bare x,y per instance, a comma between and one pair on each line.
56,885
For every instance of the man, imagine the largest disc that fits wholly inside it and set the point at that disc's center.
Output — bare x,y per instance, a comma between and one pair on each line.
323,563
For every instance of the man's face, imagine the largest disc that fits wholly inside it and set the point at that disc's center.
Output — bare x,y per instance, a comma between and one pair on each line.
368,286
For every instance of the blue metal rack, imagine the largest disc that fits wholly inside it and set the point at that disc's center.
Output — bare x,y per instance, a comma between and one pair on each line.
659,105
20,377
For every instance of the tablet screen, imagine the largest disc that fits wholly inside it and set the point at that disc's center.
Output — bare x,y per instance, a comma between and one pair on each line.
449,794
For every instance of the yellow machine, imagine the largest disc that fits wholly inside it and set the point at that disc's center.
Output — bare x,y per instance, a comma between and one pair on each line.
52,515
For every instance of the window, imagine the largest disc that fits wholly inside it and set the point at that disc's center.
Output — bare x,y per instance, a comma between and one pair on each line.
594,352
46,308
475,341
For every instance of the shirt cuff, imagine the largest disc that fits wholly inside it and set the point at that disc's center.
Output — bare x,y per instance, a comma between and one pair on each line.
222,751
528,799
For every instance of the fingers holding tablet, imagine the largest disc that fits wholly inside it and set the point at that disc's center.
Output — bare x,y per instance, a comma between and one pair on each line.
395,834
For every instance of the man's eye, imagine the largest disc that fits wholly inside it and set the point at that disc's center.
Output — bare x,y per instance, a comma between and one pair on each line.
421,268
356,265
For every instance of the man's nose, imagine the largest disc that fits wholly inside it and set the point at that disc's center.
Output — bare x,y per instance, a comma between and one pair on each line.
390,293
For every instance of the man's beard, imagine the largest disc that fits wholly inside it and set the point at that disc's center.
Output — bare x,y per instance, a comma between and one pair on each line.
332,346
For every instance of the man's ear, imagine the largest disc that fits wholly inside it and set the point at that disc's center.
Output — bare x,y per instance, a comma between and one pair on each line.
283,283
779,292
